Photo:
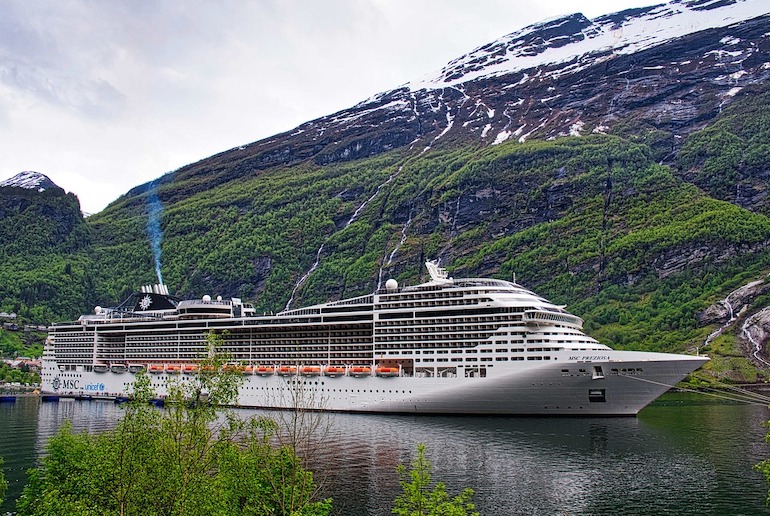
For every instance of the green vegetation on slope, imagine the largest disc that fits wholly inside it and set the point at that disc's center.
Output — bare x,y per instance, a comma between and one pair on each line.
596,222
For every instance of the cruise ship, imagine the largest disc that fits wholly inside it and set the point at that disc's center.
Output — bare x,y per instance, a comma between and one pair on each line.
447,346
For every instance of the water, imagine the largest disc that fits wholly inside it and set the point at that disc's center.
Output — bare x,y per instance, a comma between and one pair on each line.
682,455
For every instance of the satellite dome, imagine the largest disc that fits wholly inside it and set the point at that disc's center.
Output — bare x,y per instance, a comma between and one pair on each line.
207,298
391,284
219,298
98,309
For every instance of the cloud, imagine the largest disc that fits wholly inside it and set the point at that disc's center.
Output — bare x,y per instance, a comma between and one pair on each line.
103,95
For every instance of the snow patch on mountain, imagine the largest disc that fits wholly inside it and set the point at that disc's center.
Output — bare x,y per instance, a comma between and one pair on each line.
29,180
579,42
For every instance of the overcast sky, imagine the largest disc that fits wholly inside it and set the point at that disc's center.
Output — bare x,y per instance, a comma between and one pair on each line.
103,95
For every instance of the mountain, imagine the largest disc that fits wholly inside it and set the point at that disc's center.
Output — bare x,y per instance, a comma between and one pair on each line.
29,180
42,232
671,67
618,165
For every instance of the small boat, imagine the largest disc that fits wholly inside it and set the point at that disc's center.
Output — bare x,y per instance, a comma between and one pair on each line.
50,397
118,368
386,371
287,370
101,368
264,370
122,399
136,368
173,368
309,370
247,370
156,368
190,368
157,402
7,398
334,371
83,397
359,371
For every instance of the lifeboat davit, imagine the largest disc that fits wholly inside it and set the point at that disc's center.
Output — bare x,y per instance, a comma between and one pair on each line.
264,370
386,371
359,371
309,370
136,368
334,370
156,368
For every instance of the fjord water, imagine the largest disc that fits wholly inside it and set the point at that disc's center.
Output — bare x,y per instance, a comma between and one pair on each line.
685,454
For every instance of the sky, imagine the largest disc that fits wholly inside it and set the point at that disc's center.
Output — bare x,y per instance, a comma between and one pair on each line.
104,95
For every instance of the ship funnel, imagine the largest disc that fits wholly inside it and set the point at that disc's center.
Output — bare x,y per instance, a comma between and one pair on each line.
158,288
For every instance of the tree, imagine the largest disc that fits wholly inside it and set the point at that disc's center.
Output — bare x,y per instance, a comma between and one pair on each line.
418,499
764,466
3,483
193,457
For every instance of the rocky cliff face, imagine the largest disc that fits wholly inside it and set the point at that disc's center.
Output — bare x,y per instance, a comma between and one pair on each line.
740,314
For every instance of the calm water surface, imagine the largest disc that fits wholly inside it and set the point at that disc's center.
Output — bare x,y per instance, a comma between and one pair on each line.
682,455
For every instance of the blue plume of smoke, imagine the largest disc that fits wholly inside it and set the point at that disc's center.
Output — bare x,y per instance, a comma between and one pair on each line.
154,233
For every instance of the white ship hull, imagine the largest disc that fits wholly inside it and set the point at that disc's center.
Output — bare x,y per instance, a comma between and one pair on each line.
541,390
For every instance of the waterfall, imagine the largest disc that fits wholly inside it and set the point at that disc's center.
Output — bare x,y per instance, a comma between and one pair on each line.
353,218
395,250
746,332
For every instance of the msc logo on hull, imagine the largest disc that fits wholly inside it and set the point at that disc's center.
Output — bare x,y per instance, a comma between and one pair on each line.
74,385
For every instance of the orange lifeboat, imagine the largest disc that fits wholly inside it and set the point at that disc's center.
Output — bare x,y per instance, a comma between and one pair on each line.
334,370
190,368
156,368
386,371
310,370
173,368
264,370
287,370
359,371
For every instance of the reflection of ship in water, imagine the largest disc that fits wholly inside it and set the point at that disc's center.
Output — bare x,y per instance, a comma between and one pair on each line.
682,459
448,346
